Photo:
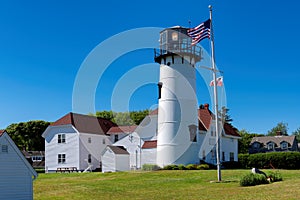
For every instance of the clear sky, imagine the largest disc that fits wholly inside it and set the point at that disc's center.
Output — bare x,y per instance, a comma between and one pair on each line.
44,43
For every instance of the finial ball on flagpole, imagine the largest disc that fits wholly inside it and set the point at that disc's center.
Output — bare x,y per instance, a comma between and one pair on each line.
210,6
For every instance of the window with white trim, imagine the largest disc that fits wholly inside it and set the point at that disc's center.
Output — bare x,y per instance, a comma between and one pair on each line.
61,158
271,146
89,140
61,138
284,145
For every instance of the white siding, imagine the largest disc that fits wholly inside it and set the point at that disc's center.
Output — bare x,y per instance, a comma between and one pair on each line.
70,148
16,177
149,156
108,161
95,148
122,162
229,145
132,143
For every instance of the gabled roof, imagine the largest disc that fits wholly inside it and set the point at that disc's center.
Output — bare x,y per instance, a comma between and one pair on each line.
154,112
4,135
150,144
121,129
205,119
118,149
276,139
85,123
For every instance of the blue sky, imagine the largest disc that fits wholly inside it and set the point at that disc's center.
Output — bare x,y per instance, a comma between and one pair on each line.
44,43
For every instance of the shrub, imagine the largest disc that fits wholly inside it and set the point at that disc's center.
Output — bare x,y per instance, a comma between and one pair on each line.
251,179
191,167
150,167
181,167
171,167
275,176
278,160
203,166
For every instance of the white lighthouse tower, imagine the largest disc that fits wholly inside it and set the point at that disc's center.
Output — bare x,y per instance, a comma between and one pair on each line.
177,113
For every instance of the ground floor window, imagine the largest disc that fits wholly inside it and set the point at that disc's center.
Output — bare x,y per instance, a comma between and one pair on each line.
61,158
89,158
231,156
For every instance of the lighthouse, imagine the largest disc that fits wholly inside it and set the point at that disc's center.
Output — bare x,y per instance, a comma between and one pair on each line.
177,112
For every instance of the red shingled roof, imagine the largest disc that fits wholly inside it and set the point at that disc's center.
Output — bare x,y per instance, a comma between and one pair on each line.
121,129
154,112
85,123
118,149
205,116
1,132
149,144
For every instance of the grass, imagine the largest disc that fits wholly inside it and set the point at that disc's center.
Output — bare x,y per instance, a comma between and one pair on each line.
173,184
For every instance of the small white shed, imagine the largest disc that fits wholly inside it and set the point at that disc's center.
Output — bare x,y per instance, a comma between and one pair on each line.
115,158
16,173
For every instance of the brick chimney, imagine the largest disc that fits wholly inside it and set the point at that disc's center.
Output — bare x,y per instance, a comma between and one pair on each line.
206,106
278,133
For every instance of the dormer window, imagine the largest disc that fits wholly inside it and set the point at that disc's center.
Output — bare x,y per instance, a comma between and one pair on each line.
271,146
284,145
256,145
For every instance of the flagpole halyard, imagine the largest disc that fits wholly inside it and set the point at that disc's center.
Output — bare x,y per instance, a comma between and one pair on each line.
215,95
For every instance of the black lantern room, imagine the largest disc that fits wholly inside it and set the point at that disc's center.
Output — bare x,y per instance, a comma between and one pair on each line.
175,41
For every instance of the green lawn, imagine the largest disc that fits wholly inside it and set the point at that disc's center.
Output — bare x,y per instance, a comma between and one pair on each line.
192,184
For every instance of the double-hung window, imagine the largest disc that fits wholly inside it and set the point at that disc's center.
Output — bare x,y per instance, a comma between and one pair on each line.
61,138
61,158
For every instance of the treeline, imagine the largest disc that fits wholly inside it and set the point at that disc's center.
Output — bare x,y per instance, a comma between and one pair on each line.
124,118
28,135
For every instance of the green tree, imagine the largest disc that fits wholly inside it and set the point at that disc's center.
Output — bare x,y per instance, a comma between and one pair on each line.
106,115
297,134
244,142
226,117
28,135
280,127
124,118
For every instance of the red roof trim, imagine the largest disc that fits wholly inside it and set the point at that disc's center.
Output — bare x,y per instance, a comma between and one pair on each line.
149,144
121,129
85,123
1,132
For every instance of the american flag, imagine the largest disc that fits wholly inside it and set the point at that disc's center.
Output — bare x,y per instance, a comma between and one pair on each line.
219,82
199,32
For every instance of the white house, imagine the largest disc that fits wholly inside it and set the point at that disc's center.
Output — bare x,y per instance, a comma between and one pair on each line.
207,138
76,141
115,158
16,173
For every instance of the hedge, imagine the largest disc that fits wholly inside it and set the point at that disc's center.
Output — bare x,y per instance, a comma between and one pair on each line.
278,160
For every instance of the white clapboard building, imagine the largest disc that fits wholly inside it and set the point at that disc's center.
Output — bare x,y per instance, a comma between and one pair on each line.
16,173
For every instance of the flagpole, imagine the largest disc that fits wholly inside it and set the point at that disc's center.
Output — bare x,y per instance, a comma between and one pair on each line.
215,94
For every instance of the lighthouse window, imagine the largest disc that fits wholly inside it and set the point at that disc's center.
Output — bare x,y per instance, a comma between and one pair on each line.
174,36
159,89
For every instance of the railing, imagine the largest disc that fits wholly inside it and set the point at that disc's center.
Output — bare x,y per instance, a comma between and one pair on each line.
179,49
